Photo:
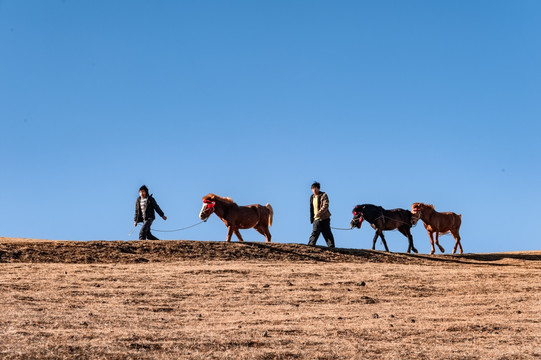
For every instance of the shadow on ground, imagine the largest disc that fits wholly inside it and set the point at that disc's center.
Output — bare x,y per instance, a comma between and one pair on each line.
51,251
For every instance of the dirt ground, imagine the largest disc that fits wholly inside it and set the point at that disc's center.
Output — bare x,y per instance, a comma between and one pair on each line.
212,300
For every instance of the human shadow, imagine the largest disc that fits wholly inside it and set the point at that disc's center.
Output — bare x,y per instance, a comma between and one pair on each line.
303,252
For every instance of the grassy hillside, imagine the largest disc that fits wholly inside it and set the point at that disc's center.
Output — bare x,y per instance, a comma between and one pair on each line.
212,300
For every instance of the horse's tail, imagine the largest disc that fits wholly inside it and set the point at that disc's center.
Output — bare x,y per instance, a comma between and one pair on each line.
271,213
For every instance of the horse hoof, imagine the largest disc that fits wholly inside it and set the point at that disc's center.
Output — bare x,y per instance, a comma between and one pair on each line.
415,251
432,252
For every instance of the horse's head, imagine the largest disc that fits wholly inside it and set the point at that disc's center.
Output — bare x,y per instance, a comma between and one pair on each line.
418,208
357,217
207,209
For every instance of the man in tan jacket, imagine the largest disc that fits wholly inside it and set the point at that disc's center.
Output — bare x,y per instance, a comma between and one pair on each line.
320,216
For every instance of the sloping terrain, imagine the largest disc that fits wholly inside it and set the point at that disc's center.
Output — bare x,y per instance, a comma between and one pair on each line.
92,252
212,300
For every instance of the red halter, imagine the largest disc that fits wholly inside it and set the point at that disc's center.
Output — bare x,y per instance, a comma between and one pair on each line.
360,220
210,203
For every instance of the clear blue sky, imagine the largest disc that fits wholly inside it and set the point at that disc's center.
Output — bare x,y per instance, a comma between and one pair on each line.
383,102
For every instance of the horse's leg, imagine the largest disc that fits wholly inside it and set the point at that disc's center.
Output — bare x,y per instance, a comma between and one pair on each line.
438,243
407,233
383,240
456,235
237,232
379,226
260,229
432,251
410,238
375,239
264,231
229,234
268,235
404,231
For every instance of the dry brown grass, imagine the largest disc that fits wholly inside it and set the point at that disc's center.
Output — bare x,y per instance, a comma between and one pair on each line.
191,300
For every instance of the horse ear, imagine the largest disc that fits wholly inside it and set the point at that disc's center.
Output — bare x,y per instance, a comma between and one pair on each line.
209,197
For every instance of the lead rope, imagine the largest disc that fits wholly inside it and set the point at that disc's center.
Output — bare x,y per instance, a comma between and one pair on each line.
336,228
132,230
184,228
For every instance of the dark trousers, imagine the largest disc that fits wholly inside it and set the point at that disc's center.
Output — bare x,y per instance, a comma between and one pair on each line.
322,227
145,233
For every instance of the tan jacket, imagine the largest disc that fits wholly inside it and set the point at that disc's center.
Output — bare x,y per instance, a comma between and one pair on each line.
323,212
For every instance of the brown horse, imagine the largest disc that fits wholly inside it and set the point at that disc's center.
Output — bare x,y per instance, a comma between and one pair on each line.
439,223
237,217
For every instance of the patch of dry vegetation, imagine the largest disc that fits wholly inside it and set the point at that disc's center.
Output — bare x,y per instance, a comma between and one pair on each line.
306,303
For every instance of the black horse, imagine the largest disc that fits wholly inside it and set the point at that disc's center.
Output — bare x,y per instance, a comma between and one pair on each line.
381,219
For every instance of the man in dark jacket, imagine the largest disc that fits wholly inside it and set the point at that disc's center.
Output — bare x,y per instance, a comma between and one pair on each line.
320,216
144,212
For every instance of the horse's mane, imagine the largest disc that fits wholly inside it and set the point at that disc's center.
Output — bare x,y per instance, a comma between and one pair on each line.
423,204
370,205
213,197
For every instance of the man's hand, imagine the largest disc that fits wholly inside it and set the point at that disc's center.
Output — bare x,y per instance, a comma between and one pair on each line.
164,217
135,224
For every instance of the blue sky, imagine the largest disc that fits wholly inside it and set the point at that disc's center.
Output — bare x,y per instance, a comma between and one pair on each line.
386,102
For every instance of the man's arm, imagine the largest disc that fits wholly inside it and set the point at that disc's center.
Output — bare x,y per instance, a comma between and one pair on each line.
157,208
311,209
136,211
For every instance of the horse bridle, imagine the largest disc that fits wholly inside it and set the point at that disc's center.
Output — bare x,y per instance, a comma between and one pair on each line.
417,214
210,206
359,217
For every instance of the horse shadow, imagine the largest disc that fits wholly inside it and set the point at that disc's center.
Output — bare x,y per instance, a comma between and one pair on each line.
491,259
301,252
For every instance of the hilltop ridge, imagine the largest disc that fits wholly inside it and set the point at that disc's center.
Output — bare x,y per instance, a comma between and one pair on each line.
88,252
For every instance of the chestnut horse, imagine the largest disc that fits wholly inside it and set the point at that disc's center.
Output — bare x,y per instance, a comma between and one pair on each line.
237,217
381,219
439,223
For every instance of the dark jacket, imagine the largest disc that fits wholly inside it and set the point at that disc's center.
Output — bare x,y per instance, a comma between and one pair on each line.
323,211
151,206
